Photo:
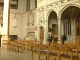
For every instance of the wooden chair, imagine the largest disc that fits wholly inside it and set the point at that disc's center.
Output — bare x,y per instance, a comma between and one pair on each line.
78,41
78,51
6,43
13,45
66,53
16,45
42,51
53,51
29,44
25,42
35,49
73,46
20,46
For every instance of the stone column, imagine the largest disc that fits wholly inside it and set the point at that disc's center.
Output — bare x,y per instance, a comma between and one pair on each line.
59,30
45,33
6,17
45,27
38,25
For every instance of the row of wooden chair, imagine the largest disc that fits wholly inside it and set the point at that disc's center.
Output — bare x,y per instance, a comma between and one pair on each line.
16,45
57,51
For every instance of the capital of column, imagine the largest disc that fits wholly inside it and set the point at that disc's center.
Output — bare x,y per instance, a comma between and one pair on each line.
58,18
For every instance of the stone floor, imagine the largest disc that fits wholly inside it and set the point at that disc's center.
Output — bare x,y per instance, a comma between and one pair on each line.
11,55
6,54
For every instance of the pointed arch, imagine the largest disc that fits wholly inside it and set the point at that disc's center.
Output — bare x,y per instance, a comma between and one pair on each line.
50,12
65,7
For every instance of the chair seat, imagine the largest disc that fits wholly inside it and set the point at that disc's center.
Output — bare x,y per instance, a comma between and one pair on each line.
12,45
35,50
53,54
75,51
67,56
43,51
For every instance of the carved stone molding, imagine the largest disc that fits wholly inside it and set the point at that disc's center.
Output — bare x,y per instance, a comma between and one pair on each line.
64,6
41,17
31,29
39,1
57,3
58,6
30,21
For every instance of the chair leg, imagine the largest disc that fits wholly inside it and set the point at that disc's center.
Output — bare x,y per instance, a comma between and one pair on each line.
32,55
46,57
54,58
39,57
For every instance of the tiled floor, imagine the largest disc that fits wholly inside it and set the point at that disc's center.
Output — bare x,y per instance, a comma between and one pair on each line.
11,55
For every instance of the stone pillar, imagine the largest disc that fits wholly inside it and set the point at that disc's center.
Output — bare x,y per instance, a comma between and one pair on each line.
6,13
59,30
45,33
45,27
38,25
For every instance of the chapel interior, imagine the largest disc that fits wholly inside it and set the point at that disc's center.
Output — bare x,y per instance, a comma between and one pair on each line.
24,33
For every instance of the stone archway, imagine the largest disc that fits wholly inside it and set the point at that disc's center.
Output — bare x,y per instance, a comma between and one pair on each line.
68,22
65,7
53,22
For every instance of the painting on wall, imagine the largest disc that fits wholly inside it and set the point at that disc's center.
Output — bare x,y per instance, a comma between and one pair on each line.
13,4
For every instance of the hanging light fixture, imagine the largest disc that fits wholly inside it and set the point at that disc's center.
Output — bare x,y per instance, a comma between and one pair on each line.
14,21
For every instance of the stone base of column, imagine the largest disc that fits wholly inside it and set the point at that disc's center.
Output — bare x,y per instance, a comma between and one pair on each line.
45,42
59,42
4,37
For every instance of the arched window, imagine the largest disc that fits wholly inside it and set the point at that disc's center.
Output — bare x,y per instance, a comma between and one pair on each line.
31,4
28,5
67,25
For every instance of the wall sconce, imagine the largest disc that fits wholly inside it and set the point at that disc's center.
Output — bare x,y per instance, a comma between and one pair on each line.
14,21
